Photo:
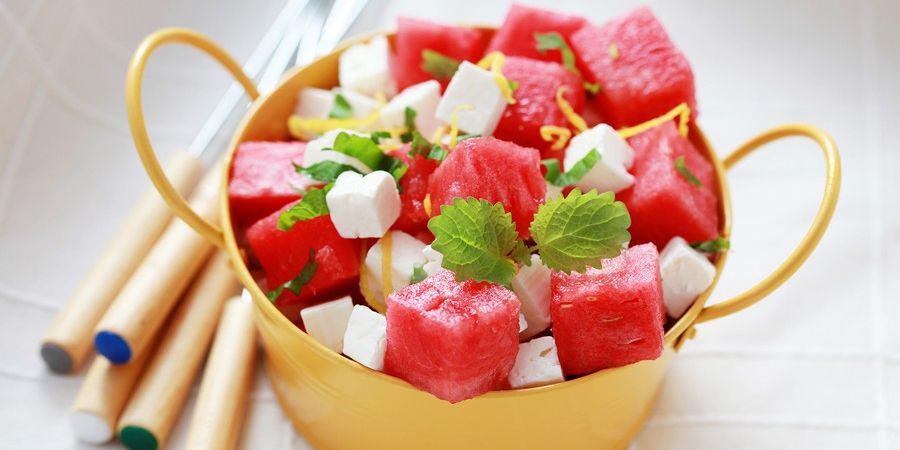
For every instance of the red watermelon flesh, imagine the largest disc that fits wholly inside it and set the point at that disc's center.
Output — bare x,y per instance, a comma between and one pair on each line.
455,340
413,189
609,317
536,102
662,203
494,170
263,179
283,254
516,36
649,77
416,35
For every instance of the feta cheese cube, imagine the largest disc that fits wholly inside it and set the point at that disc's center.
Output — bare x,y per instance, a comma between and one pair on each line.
475,87
686,273
366,338
406,253
319,149
327,322
552,192
315,102
363,206
610,173
536,364
433,260
532,286
423,98
364,68
523,324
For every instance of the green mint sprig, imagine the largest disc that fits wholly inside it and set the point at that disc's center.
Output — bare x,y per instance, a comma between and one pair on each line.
683,170
555,41
297,283
341,109
440,66
716,245
556,177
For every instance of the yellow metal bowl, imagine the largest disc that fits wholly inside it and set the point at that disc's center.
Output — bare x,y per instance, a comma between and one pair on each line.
336,403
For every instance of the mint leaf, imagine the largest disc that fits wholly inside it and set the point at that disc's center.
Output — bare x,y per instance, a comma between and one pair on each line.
341,108
513,84
580,230
296,284
555,41
685,172
441,67
409,122
359,147
394,166
716,245
377,136
326,171
418,275
422,147
437,153
573,175
312,205
592,88
478,240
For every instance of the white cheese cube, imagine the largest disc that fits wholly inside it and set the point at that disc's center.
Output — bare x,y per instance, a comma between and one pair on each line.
610,173
532,286
686,273
327,322
476,88
552,192
315,102
433,260
406,253
318,150
366,338
363,206
523,324
364,68
423,98
536,364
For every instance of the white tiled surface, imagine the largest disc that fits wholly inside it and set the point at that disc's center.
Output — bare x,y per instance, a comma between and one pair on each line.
816,365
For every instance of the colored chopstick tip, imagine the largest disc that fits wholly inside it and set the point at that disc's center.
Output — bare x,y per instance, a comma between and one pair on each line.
90,428
138,438
56,358
113,347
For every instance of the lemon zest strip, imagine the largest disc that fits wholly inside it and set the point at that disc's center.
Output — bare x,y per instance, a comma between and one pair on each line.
426,203
682,112
560,135
454,129
307,128
567,110
494,61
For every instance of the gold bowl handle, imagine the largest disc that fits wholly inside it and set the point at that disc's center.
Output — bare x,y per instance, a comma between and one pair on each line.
133,83
813,235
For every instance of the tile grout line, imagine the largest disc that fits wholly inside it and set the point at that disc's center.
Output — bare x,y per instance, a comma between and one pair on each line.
876,229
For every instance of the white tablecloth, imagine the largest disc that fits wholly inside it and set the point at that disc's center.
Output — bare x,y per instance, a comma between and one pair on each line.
815,365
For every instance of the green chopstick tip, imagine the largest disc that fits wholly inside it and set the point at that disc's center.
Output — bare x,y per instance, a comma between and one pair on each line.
138,438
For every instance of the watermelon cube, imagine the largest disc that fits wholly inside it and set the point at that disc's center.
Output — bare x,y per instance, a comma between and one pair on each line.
284,254
536,102
494,170
662,202
609,317
516,36
413,189
455,340
263,179
415,36
641,72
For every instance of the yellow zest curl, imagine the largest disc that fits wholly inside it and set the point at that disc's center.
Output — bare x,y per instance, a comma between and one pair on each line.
682,112
567,110
560,135
454,129
613,51
306,128
494,61
438,135
426,203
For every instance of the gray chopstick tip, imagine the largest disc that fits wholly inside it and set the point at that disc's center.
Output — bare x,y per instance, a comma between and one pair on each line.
56,358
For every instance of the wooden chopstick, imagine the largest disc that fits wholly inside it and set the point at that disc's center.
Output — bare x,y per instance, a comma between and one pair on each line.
219,411
67,342
160,395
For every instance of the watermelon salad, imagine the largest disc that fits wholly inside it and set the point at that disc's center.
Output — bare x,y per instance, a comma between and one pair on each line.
473,211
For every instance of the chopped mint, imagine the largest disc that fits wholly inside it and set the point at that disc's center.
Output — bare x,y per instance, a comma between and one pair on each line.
513,85
685,172
580,230
478,240
437,153
584,165
421,146
716,245
377,136
341,108
409,122
312,205
418,275
555,41
394,166
325,171
296,284
440,66
369,153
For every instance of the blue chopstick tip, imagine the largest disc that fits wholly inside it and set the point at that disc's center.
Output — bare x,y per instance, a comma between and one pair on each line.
113,347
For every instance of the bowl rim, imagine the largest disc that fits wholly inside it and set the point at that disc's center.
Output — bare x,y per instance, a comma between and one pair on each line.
672,337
